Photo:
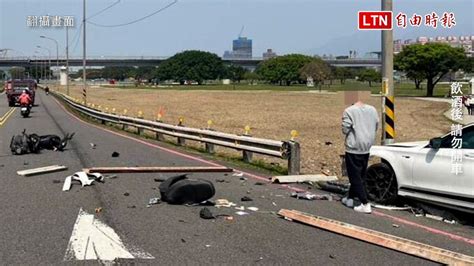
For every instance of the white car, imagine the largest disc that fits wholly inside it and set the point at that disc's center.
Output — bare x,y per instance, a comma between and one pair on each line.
425,171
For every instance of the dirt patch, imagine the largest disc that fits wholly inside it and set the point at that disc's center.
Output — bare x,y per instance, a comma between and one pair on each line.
272,114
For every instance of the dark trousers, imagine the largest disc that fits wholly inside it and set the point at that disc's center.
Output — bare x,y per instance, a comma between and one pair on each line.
356,165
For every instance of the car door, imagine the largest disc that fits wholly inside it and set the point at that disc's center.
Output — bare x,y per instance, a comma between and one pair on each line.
432,168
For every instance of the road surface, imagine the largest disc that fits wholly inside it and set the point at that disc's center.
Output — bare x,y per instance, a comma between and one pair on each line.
37,218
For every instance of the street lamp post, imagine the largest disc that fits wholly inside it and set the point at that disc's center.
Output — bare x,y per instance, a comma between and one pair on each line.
49,59
57,51
41,67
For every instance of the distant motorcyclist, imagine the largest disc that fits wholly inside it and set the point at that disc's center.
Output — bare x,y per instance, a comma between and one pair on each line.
25,99
46,90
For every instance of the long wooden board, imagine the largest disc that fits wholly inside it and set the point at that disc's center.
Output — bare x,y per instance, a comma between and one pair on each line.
42,170
302,178
177,169
382,239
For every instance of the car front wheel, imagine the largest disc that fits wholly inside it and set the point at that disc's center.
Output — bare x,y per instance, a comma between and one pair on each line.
381,184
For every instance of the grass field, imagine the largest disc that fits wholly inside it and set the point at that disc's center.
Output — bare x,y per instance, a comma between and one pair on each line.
271,113
401,89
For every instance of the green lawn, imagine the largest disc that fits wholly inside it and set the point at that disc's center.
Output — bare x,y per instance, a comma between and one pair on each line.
401,89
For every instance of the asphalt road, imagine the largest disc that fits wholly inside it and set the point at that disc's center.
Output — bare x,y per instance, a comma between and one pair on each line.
37,217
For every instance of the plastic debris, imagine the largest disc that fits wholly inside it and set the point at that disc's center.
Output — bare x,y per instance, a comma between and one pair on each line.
153,201
224,203
84,178
396,225
93,145
115,154
310,196
238,174
252,209
205,213
241,213
245,198
98,210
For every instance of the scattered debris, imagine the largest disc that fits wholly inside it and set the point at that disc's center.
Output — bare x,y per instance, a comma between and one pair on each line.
151,169
378,238
252,209
328,143
153,201
274,204
238,174
224,203
42,170
245,198
93,145
205,213
391,208
259,184
302,178
126,194
229,218
115,154
33,143
334,187
331,256
159,179
207,246
241,208
110,176
396,225
55,181
241,213
310,196
98,210
243,178
26,163
131,206
82,177
182,240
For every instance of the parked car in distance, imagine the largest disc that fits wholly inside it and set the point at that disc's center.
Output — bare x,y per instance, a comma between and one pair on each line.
425,171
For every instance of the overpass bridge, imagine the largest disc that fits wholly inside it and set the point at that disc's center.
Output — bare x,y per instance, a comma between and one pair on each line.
137,61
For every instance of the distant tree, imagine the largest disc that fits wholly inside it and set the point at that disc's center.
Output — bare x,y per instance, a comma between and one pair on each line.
146,72
118,73
431,61
191,65
370,75
2,74
316,69
235,73
283,69
343,73
17,72
251,76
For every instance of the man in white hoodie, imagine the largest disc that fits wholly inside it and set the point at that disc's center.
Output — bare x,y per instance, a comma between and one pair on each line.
359,126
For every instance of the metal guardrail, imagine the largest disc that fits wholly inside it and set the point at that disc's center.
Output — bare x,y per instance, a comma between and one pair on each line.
287,150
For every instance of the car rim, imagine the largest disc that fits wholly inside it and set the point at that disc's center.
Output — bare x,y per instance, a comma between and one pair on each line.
379,183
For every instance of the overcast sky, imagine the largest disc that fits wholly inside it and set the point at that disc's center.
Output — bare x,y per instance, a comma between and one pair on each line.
287,26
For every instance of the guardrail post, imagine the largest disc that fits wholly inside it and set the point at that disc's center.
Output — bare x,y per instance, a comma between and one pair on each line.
209,146
139,129
294,158
181,141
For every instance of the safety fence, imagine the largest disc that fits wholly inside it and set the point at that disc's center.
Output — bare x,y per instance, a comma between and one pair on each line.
288,150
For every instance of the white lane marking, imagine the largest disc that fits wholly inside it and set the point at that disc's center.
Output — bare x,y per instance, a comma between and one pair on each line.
91,239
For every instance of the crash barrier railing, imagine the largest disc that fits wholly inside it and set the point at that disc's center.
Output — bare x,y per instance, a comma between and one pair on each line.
287,150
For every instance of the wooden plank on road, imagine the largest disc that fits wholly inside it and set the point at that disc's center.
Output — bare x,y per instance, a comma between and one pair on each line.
382,239
177,169
42,170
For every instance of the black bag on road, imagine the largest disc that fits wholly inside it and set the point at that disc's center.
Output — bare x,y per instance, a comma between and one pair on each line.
181,190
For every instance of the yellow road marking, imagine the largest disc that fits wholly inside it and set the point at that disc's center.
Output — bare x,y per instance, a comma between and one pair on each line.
7,115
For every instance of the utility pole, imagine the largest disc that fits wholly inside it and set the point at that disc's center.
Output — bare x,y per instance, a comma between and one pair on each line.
57,51
388,116
67,61
84,89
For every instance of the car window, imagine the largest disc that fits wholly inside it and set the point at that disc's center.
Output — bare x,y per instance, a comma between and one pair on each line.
468,138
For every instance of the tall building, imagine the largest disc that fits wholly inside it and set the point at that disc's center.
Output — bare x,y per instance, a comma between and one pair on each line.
241,48
268,54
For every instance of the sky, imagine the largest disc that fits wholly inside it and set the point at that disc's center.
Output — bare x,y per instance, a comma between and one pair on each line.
287,26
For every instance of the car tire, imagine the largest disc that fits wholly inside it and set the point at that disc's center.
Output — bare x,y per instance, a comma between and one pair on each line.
11,104
381,184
